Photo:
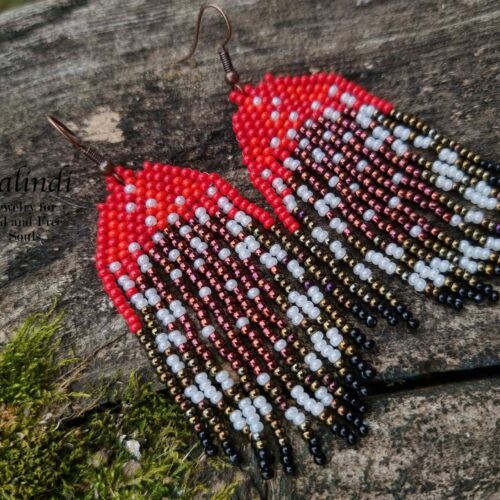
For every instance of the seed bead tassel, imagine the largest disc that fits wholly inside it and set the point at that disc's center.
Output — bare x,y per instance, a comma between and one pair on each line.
236,361
186,406
206,277
320,144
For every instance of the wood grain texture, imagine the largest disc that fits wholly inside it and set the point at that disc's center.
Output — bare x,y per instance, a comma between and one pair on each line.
426,444
107,69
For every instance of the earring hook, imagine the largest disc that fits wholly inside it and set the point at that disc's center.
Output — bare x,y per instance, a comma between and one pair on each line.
232,77
105,166
202,10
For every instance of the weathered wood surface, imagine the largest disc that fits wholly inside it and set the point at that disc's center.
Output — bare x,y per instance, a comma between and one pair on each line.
428,444
107,69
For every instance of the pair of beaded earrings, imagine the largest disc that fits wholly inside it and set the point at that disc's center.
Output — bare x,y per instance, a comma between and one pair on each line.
245,313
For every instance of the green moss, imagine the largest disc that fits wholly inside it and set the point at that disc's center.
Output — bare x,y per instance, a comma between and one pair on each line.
27,363
43,454
9,4
226,492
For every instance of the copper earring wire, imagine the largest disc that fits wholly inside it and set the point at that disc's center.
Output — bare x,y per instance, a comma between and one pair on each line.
105,166
232,77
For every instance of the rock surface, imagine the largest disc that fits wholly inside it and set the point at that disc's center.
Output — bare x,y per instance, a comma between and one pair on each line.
430,443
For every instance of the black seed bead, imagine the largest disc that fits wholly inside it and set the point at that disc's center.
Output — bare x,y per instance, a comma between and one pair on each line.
493,296
441,298
266,473
351,439
203,435
480,287
263,454
392,320
211,450
386,313
264,464
354,332
363,391
286,450
494,181
315,450
363,429
355,402
361,339
349,378
336,428
348,395
289,470
371,321
234,458
413,323
478,298
369,373
344,431
380,308
355,359
355,309
362,314
286,459
400,308
349,416
315,441
458,304
488,289
368,344
406,315
319,459
362,407
205,442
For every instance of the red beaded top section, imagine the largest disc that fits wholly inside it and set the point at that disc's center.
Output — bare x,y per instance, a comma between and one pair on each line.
270,114
134,211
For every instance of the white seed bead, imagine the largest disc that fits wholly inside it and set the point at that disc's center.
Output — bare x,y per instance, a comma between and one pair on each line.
227,384
150,220
253,293
291,413
316,365
299,419
204,291
368,215
173,255
394,202
241,322
172,218
275,142
266,409
198,263
415,231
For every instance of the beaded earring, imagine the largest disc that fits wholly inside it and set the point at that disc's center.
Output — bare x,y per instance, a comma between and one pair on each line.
332,159
229,309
